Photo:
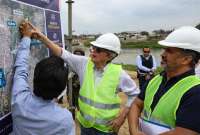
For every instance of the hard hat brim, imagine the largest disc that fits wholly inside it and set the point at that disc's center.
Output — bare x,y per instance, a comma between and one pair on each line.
105,47
178,45
169,44
95,44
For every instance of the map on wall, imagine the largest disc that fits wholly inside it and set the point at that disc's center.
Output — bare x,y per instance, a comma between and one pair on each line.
45,15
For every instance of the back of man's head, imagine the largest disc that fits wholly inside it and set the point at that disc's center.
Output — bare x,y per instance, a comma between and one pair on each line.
50,78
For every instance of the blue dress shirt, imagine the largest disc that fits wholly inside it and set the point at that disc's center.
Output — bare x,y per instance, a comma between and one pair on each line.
31,114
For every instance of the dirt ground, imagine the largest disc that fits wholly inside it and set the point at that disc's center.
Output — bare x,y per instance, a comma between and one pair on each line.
124,130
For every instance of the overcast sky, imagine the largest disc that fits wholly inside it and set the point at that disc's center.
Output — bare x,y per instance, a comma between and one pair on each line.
100,16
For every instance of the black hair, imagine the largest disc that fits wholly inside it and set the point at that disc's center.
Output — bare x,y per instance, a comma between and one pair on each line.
50,78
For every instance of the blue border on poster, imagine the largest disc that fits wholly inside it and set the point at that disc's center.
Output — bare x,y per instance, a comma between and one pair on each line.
53,27
47,4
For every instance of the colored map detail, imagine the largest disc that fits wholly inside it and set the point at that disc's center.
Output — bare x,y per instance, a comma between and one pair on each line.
11,14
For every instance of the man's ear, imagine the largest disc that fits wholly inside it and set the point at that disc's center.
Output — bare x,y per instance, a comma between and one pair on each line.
109,56
187,60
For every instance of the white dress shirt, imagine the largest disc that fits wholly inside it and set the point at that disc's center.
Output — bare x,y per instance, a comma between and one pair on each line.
141,67
78,64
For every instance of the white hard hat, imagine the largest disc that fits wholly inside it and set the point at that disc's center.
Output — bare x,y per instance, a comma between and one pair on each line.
108,41
186,37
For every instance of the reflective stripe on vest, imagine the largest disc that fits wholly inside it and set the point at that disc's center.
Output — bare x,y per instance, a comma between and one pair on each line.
99,104
165,113
95,120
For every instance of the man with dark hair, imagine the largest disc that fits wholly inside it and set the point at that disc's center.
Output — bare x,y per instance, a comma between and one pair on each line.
169,104
36,113
146,65
49,81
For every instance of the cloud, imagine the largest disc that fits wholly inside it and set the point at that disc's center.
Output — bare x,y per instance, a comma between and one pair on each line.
97,16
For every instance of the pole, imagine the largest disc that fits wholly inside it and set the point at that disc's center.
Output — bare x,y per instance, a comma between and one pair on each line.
69,86
70,23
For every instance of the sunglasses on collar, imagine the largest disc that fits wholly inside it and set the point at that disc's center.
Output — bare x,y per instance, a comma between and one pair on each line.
97,49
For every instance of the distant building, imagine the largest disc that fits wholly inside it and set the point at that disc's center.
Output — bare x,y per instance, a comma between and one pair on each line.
132,36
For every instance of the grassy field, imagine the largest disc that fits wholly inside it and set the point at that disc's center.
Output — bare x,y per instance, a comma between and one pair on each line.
142,44
139,44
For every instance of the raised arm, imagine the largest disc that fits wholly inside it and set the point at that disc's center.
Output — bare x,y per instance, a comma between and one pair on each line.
73,60
57,50
20,80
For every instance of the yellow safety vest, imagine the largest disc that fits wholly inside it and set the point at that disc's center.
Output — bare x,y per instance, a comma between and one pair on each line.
164,113
99,104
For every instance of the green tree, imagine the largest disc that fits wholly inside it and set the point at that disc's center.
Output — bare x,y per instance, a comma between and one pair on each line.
144,33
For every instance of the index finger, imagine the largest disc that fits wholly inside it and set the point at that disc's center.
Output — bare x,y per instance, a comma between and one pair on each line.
33,27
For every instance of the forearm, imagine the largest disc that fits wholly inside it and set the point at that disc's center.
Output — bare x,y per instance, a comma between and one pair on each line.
117,122
133,120
180,131
124,110
141,67
130,100
133,116
23,53
51,45
20,81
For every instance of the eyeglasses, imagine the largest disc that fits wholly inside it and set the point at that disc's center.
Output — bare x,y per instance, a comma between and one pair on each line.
146,51
97,49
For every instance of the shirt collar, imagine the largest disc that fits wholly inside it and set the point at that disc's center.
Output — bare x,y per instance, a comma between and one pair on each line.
102,70
179,77
147,56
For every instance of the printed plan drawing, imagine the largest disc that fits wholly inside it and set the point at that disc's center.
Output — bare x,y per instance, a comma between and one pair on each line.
11,14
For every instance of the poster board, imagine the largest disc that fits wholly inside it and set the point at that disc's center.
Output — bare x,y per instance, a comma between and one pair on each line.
45,15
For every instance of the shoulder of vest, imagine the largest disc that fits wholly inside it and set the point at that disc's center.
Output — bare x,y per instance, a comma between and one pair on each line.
89,61
156,76
115,65
193,77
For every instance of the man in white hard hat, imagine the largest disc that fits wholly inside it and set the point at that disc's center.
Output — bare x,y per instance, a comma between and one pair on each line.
170,103
100,81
